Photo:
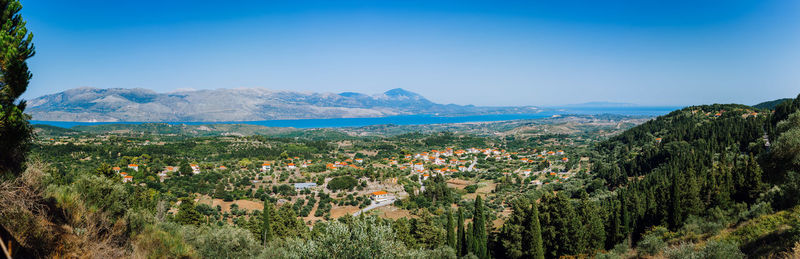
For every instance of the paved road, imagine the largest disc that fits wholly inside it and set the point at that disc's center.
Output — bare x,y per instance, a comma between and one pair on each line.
472,166
375,205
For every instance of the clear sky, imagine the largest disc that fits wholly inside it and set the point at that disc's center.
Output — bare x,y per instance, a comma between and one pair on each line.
649,52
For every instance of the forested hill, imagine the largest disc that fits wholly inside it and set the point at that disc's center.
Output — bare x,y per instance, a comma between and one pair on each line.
708,162
712,129
700,182
770,105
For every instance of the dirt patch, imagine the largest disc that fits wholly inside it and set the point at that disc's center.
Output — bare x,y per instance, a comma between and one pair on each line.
501,218
484,188
226,205
458,183
337,212
392,212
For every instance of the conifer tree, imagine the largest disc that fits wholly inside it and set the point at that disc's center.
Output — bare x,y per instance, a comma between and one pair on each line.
187,213
532,242
479,230
266,223
461,246
16,48
451,235
470,238
513,233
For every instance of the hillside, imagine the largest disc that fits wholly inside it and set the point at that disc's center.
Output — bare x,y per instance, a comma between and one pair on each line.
770,105
241,104
691,182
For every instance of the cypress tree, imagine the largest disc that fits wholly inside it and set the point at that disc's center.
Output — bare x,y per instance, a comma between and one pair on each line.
533,245
16,48
674,209
266,223
461,246
514,231
593,231
479,230
451,235
470,238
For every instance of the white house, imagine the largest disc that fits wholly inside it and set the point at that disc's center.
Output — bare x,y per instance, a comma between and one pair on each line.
438,161
291,166
419,167
380,196
135,167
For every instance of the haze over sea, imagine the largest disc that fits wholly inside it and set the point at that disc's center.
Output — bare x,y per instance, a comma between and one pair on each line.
408,119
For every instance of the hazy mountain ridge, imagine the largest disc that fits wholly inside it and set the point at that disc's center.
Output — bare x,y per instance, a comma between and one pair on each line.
241,104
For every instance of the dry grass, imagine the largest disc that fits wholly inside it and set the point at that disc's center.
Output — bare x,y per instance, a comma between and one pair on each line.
339,211
392,212
794,253
24,212
458,183
23,193
226,205
68,230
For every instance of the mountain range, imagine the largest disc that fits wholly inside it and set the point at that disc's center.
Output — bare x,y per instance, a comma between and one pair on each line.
240,104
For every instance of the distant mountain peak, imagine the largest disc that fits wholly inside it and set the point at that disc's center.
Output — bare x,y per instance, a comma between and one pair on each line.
400,92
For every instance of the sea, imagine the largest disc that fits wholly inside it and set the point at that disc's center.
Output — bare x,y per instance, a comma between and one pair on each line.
422,119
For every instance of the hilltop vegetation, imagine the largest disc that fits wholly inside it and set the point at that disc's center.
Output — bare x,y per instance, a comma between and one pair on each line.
770,105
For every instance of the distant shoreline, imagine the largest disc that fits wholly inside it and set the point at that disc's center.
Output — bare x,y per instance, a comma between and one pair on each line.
397,120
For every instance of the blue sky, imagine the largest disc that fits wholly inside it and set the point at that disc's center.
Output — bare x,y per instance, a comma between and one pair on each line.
465,52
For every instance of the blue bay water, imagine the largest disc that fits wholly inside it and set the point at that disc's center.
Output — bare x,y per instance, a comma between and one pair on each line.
402,120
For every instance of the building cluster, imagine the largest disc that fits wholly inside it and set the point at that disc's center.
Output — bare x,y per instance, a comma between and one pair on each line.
347,163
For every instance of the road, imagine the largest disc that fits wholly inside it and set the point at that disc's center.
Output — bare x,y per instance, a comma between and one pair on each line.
375,205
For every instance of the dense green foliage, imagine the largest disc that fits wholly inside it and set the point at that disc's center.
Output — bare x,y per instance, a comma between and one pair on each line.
521,236
687,174
16,48
770,105
342,183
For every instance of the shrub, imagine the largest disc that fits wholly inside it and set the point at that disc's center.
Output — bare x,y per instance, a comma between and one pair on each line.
756,210
342,183
722,250
103,194
700,226
222,242
157,241
652,242
712,249
681,251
